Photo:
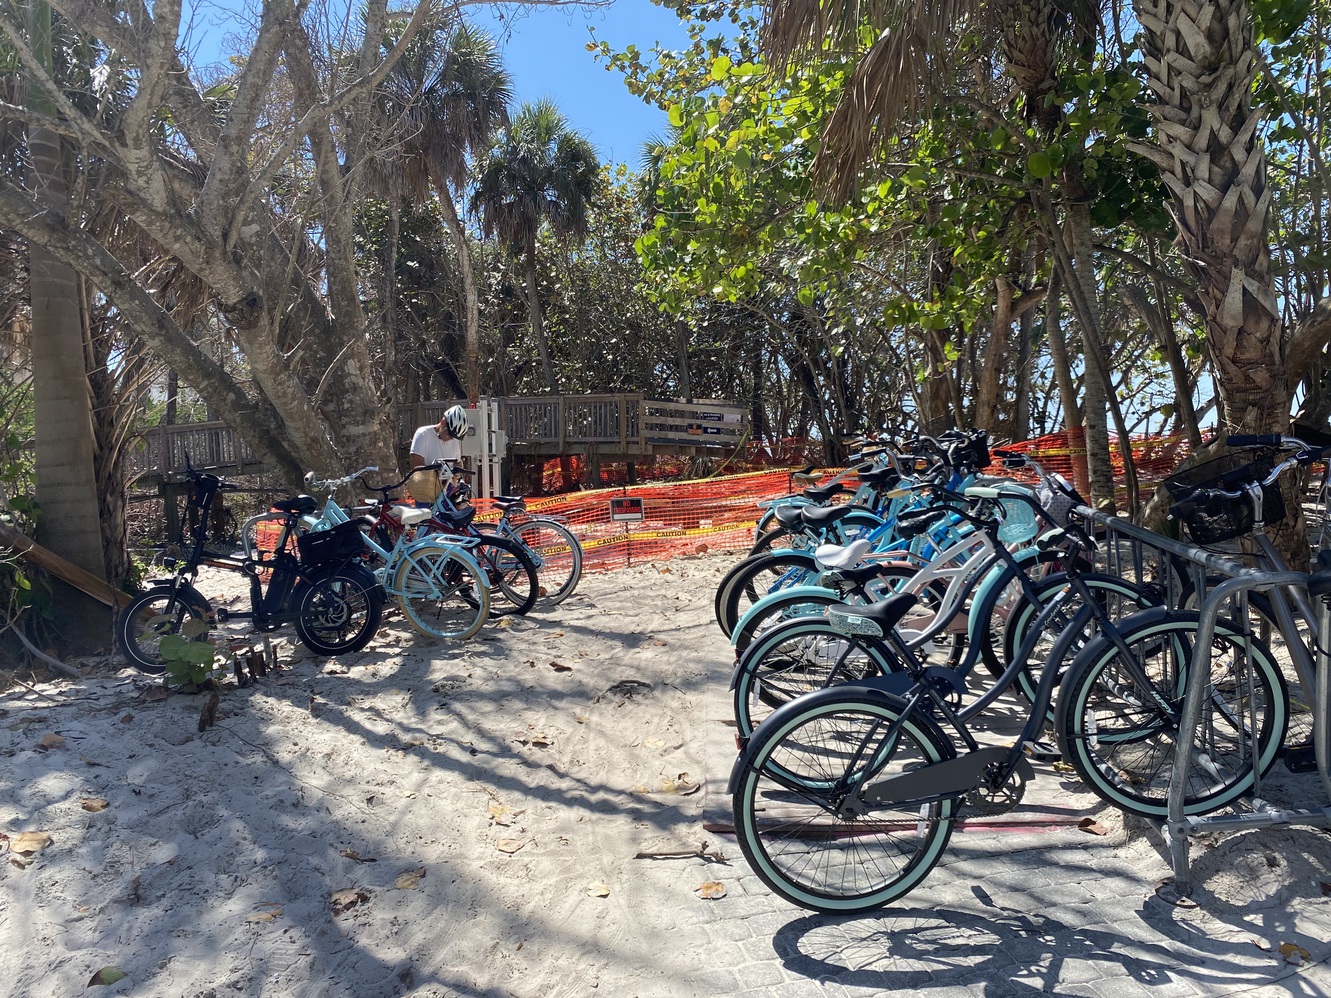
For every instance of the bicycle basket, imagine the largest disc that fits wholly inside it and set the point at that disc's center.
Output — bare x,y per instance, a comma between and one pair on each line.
1210,517
339,543
1018,524
1228,472
1058,498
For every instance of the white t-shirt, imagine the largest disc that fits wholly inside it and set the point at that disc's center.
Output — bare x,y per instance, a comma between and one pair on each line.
427,444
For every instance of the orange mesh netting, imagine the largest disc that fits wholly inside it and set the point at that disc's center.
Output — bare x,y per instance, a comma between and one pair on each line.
719,514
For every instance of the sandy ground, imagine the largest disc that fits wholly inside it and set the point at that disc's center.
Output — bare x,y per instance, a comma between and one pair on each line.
475,798
519,815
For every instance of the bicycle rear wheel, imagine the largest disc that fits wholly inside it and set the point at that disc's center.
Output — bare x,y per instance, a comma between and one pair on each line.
339,612
756,576
1113,728
795,658
512,573
561,556
443,593
799,838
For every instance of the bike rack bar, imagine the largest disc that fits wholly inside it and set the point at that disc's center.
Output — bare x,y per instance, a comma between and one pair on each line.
1242,580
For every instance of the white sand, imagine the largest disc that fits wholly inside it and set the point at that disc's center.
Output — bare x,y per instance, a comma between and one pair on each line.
403,754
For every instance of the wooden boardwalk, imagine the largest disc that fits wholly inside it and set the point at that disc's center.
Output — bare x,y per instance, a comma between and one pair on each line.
625,427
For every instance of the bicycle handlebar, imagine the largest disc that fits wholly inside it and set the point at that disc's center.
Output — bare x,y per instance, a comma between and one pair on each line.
435,466
335,483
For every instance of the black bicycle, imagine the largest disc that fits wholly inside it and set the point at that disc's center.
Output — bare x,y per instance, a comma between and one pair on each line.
316,580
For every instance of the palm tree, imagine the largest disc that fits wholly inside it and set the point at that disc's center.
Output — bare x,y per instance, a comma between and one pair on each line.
450,95
542,174
1201,57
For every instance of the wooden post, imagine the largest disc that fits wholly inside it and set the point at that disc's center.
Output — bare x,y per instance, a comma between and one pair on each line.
168,491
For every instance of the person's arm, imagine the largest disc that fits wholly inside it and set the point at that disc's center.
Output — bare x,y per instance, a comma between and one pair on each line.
417,460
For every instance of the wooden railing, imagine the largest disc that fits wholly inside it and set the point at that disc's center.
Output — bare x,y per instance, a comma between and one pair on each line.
611,424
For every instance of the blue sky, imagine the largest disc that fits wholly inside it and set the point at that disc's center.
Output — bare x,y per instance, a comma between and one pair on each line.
546,52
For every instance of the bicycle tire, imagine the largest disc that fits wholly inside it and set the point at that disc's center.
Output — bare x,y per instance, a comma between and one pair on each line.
514,587
989,638
1122,746
795,658
778,611
1116,593
560,570
443,594
150,616
338,612
791,831
754,577
854,524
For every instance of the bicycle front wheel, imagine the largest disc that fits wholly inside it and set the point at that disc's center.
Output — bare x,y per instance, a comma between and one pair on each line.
151,616
755,577
1116,714
798,836
443,593
560,553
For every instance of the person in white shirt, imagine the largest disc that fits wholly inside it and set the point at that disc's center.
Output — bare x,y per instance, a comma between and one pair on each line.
436,443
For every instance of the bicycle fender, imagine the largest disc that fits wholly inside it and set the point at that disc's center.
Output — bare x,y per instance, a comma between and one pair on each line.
844,691
763,604
185,590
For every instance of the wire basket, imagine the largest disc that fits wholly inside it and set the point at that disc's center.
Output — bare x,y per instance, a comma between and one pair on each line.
1211,517
1018,524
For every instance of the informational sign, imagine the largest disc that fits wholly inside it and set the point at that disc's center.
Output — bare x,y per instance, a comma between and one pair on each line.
625,510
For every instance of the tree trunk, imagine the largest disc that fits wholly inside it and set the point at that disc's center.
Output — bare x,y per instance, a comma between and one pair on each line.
1201,58
471,314
989,378
534,317
1153,315
70,523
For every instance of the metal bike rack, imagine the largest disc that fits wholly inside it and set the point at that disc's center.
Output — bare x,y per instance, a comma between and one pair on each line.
1241,580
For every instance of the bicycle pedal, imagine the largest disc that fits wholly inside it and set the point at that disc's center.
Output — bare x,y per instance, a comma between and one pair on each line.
1300,759
1041,751
221,614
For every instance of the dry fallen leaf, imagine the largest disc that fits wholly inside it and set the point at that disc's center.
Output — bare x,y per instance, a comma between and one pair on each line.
710,890
1293,953
407,881
270,912
107,975
348,897
502,814
51,741
1326,889
26,843
581,718
353,854
1064,767
561,667
598,890
155,693
127,719
653,742
639,788
510,846
94,804
1092,826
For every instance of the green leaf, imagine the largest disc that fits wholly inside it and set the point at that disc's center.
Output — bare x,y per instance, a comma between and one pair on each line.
676,116
107,975
805,296
720,67
1038,165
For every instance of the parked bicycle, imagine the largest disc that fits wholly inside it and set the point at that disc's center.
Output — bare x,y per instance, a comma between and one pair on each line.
317,581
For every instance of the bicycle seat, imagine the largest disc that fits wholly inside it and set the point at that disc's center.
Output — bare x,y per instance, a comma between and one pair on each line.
805,478
790,516
842,556
410,515
503,502
824,493
298,505
914,522
882,478
825,517
457,518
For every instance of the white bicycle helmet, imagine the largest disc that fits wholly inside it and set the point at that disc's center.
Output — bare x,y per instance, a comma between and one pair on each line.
456,421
